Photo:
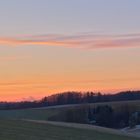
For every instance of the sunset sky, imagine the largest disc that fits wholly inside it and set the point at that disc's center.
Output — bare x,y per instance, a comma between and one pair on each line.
51,46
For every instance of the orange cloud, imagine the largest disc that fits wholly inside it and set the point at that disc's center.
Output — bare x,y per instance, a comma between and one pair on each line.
86,41
18,41
45,83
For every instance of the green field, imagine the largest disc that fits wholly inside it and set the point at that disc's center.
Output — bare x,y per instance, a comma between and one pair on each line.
13,128
20,130
36,114
45,113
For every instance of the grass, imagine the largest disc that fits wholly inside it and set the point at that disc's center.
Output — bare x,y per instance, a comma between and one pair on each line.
20,130
35,114
59,111
45,113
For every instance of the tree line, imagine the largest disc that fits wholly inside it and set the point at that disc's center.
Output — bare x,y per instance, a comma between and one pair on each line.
72,98
101,115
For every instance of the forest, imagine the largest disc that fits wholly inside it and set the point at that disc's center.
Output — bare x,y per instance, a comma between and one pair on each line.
72,98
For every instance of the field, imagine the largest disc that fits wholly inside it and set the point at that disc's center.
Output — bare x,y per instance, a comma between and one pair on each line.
45,112
21,130
14,127
35,114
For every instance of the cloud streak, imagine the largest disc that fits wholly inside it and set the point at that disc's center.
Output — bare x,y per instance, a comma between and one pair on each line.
67,82
85,40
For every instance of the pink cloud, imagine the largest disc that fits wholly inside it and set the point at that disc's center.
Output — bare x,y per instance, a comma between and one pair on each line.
86,41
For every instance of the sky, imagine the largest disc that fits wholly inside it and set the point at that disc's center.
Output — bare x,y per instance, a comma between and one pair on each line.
52,46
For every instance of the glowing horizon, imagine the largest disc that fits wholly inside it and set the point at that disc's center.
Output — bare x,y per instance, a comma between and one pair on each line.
48,47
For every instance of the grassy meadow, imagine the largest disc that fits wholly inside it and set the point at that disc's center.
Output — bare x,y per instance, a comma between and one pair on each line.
47,112
20,130
13,128
35,114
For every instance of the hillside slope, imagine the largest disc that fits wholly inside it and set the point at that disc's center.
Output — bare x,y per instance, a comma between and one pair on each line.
17,129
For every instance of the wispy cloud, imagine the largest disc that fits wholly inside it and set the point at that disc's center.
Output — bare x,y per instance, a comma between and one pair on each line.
85,40
17,83
67,82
